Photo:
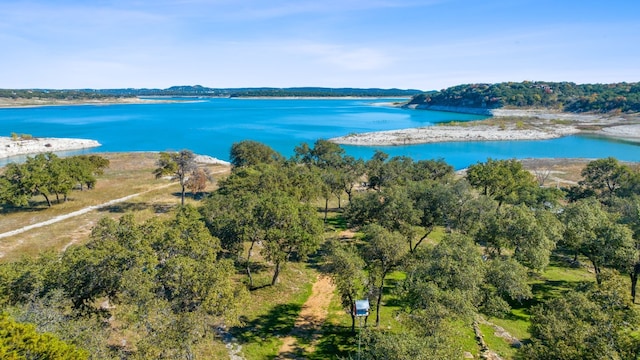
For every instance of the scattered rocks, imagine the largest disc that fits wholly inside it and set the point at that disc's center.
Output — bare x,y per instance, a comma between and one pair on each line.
230,342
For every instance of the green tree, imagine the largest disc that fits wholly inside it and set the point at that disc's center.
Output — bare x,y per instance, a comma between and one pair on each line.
382,253
232,219
61,178
505,281
22,341
179,165
290,228
532,235
468,212
596,323
13,191
444,282
581,220
629,210
95,270
605,176
38,176
352,170
590,231
345,267
375,171
331,185
501,180
324,154
83,169
413,343
391,208
250,153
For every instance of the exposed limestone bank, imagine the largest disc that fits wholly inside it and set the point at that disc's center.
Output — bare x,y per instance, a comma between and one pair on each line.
10,147
504,125
628,132
432,134
206,159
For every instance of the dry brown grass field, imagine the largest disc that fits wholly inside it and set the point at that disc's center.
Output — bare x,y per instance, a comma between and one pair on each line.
128,174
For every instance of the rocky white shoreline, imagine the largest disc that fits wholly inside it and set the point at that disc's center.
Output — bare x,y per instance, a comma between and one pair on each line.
539,125
10,147
434,134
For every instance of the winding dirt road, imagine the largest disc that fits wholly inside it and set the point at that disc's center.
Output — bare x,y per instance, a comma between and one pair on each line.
309,322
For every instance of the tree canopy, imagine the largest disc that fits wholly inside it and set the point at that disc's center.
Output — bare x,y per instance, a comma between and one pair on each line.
566,96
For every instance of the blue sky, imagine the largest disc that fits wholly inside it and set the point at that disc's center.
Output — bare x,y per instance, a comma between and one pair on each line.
421,44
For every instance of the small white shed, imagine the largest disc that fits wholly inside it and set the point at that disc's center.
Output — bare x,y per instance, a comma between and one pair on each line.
362,307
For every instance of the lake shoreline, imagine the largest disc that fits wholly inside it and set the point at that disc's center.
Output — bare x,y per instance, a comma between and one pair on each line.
20,103
10,147
505,125
8,103
171,126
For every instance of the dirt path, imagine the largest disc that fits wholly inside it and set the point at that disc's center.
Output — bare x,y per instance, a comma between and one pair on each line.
68,216
84,230
312,316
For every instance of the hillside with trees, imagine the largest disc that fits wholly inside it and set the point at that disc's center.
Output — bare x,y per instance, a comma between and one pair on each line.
443,258
564,96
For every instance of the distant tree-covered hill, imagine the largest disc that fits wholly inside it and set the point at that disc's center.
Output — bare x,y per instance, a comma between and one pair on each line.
566,96
198,90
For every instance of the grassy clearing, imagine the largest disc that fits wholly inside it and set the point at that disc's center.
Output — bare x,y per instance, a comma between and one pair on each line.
272,311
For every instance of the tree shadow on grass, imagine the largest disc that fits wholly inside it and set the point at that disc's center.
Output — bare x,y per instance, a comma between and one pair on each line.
189,195
6,209
554,288
337,222
336,342
125,207
277,322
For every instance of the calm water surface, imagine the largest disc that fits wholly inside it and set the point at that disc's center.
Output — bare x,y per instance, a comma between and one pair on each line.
211,126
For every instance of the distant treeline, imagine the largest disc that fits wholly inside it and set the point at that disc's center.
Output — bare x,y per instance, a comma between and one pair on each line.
566,96
206,91
57,94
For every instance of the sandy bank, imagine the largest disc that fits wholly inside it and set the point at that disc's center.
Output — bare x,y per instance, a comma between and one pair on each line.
10,147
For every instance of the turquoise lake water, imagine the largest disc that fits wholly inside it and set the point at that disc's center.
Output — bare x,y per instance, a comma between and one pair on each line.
211,126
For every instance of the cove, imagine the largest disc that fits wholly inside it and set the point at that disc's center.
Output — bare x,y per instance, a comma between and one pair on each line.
211,125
